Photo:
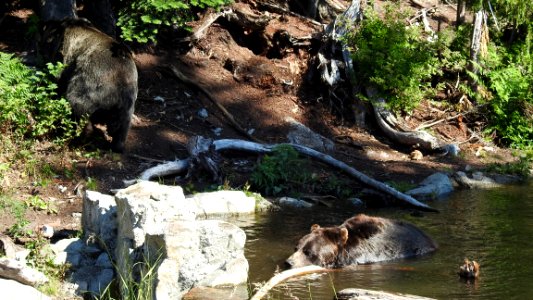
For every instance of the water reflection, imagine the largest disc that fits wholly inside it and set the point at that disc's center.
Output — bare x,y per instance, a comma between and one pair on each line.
494,227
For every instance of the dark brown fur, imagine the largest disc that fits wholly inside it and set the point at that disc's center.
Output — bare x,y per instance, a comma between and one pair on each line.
100,77
360,239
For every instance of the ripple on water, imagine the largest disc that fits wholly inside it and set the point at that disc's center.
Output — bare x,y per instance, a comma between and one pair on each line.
494,227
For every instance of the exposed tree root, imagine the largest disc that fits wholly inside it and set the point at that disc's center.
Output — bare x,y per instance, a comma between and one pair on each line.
386,120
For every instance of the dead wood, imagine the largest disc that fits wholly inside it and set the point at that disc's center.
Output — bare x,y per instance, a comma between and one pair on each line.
280,10
386,120
360,294
248,19
280,277
203,156
203,147
224,111
206,21
433,123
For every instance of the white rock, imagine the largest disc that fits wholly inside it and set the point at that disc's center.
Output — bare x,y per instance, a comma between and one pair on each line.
222,202
13,290
433,187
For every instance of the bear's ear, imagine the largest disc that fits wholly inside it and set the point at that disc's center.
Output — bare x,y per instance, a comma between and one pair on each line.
344,236
315,227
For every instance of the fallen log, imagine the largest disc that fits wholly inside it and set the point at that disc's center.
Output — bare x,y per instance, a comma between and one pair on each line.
204,145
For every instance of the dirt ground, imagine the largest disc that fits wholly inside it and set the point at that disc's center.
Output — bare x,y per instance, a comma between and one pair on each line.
261,87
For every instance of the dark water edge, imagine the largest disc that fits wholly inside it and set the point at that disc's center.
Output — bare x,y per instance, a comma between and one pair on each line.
493,227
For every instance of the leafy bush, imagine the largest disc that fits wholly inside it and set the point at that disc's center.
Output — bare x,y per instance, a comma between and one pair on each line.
141,20
279,171
509,78
29,104
392,57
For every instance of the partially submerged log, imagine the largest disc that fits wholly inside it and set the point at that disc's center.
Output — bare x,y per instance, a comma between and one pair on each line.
202,147
280,277
346,294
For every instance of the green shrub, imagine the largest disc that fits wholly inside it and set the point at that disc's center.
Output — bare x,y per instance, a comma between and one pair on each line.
508,76
279,172
29,104
392,57
141,20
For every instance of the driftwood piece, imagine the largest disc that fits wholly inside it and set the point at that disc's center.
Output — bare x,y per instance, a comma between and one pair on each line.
346,294
280,277
241,145
362,294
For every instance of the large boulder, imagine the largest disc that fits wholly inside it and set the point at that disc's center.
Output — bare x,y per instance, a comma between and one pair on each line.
157,228
206,253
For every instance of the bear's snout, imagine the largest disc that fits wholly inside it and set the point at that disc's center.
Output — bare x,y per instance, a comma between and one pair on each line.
297,260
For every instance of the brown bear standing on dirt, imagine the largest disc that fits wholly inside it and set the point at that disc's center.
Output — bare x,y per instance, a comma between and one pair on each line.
360,240
100,77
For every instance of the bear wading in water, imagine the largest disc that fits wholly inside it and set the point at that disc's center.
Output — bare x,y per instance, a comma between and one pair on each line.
360,240
100,76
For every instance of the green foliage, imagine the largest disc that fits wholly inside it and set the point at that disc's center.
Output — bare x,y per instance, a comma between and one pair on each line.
18,210
392,57
279,171
92,184
29,104
284,172
141,20
38,203
508,75
522,167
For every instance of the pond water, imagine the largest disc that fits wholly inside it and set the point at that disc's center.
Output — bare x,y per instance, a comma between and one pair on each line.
493,227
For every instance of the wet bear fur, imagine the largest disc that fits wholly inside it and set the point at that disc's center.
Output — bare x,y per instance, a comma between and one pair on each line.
100,77
361,239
